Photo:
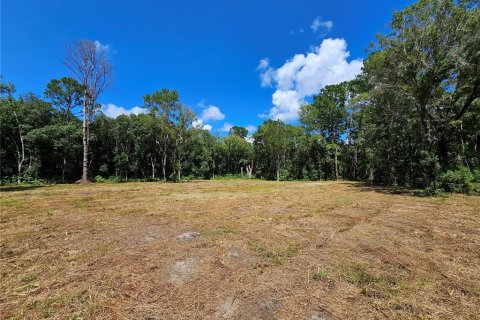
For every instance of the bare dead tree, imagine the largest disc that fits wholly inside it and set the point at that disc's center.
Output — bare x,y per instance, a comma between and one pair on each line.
87,61
20,149
249,168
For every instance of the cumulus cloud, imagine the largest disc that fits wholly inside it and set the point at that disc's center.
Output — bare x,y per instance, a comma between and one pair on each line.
101,47
226,127
251,128
212,113
200,125
209,113
263,64
306,74
266,72
111,110
318,24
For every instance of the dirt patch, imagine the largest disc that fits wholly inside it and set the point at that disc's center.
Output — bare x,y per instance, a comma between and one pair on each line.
181,271
190,235
227,309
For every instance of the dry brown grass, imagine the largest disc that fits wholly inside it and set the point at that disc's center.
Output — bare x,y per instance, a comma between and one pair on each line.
267,250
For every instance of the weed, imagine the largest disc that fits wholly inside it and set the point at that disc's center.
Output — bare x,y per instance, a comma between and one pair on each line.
320,274
224,230
46,307
276,255
358,275
29,278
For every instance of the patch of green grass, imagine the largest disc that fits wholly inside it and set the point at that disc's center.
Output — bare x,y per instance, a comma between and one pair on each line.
413,286
288,217
84,202
357,274
377,286
12,202
277,256
225,230
46,307
29,278
320,274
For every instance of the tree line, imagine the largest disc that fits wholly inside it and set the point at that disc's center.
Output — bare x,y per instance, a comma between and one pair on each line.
411,118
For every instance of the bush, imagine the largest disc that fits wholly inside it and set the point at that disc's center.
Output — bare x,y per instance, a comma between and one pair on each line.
230,177
476,175
100,179
459,180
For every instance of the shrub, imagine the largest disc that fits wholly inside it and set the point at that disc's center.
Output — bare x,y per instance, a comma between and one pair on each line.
100,179
459,180
476,175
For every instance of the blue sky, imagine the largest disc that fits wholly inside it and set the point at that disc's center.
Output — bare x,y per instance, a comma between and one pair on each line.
233,62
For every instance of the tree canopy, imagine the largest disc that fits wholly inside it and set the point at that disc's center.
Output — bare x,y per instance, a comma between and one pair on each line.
410,119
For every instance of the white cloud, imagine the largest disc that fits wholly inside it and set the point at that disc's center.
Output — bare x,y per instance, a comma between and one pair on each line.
266,72
249,139
200,125
318,24
263,64
113,111
101,47
251,129
212,113
226,127
306,74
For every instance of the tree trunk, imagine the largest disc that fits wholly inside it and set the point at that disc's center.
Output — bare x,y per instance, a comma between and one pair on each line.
443,151
370,174
21,151
153,167
20,159
179,177
213,167
85,139
249,169
64,167
278,167
336,163
164,160
355,164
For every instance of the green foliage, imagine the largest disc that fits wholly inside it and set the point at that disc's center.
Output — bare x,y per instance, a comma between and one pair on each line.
410,119
229,177
238,131
459,180
100,179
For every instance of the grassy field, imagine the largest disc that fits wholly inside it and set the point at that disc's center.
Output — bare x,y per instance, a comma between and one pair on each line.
252,250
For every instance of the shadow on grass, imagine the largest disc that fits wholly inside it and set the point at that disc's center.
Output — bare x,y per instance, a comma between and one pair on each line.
20,188
367,187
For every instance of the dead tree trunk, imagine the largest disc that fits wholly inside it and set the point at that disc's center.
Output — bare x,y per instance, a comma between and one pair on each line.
87,61
152,161
20,150
85,139
249,169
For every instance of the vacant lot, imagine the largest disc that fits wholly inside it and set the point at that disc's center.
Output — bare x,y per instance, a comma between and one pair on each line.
237,250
